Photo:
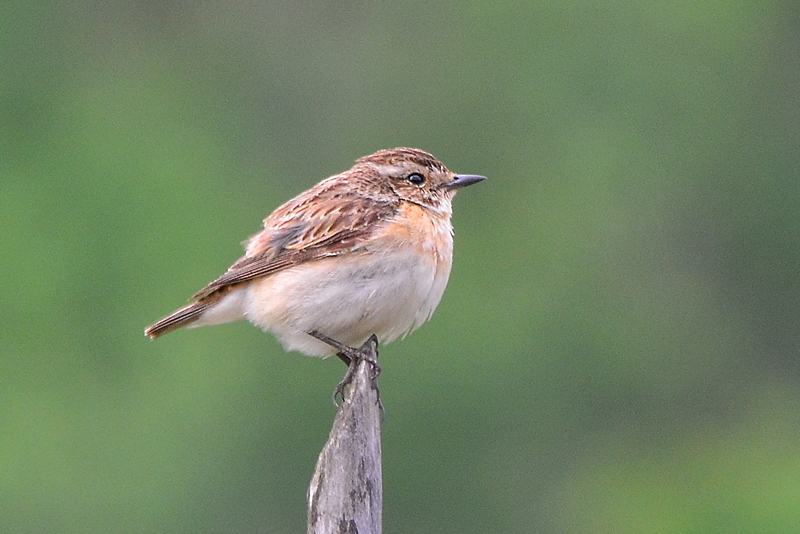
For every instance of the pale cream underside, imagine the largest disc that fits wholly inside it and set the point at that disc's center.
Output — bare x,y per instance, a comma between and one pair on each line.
388,294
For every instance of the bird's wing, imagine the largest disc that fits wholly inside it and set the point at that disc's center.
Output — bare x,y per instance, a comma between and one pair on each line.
317,224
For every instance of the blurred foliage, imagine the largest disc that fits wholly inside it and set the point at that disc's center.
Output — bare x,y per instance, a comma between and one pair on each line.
618,348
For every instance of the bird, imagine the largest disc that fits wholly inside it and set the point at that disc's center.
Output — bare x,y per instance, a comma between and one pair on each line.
363,255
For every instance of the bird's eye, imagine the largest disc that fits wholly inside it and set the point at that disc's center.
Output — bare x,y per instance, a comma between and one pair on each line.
416,178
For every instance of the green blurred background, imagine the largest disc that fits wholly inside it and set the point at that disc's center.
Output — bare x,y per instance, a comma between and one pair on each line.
618,349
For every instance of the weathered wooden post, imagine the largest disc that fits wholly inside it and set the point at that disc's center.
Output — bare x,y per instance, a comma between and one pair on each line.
346,492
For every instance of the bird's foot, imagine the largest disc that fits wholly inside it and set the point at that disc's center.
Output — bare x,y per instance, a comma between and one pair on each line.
352,356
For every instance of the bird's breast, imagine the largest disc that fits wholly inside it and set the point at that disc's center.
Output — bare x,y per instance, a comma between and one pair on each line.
389,286
424,232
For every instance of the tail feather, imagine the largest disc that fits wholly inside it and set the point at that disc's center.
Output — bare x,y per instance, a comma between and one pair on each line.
186,315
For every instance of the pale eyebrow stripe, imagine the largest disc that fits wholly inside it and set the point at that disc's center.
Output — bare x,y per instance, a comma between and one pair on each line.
391,170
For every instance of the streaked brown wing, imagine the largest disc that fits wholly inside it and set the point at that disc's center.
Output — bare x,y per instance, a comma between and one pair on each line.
308,228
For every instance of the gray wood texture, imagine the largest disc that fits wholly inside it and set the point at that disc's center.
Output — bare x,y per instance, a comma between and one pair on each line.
346,491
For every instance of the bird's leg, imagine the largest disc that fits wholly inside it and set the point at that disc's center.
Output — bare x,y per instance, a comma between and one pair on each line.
346,353
352,357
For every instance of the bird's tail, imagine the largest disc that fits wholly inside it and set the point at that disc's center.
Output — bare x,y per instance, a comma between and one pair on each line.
186,315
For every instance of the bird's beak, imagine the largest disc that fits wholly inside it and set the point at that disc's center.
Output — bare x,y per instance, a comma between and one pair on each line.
463,180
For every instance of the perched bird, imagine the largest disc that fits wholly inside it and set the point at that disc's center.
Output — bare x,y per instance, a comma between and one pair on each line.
364,252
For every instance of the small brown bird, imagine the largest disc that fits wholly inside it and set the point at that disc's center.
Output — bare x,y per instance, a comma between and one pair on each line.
367,251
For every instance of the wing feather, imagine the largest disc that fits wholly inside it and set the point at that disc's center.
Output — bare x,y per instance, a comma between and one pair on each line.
323,222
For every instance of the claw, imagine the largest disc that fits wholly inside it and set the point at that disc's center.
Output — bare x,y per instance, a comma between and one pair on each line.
352,357
338,391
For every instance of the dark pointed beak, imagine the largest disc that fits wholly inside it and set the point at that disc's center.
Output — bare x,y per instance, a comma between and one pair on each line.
463,180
